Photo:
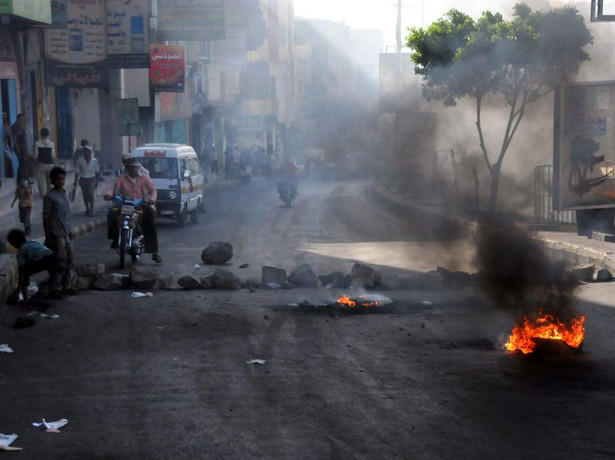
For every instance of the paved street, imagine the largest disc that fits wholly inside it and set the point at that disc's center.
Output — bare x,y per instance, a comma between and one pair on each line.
424,377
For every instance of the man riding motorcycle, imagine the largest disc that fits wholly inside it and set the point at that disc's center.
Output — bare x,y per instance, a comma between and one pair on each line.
135,185
288,172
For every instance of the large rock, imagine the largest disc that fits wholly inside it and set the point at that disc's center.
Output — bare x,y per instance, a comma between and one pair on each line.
364,276
207,281
217,253
335,280
168,283
90,269
583,272
144,277
224,279
304,276
111,282
188,282
273,276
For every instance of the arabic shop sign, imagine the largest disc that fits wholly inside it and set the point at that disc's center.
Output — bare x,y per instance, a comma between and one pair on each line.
128,34
167,72
76,56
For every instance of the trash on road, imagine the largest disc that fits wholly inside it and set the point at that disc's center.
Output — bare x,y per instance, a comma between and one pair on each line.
426,302
196,266
52,427
6,440
4,348
273,285
137,295
54,316
256,361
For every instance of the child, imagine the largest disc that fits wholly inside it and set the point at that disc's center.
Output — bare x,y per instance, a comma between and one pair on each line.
32,257
26,200
58,234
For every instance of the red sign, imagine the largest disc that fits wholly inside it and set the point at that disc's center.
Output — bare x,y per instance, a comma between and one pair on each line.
155,153
167,70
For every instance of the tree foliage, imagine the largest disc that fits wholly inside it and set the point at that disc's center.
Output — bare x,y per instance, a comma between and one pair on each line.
521,60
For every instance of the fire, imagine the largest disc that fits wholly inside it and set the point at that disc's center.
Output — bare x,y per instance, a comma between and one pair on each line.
345,300
545,327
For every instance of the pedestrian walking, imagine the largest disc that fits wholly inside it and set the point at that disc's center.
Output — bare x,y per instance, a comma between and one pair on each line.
46,159
32,257
20,138
58,234
8,146
87,174
24,194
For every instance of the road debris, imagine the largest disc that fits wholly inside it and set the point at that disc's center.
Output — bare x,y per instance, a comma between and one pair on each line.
51,427
256,361
4,348
54,316
6,440
137,295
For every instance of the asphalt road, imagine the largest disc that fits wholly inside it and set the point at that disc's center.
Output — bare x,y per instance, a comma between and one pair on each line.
424,377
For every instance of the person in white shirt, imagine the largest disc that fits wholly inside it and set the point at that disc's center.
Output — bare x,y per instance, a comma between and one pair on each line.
87,171
46,159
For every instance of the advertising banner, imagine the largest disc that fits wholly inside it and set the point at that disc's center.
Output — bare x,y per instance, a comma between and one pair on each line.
34,10
76,56
191,20
167,71
128,34
584,146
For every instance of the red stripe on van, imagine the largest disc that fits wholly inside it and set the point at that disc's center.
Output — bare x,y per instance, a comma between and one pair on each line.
155,153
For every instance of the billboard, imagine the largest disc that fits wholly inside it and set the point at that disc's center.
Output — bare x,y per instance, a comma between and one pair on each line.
128,34
584,146
167,71
76,56
191,20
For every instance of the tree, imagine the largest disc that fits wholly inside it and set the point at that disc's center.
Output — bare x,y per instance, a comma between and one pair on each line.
519,60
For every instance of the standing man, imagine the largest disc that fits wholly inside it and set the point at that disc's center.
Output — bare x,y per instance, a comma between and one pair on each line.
58,234
46,159
21,147
135,185
87,172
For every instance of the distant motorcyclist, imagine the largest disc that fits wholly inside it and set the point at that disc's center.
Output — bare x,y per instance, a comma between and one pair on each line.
288,173
135,185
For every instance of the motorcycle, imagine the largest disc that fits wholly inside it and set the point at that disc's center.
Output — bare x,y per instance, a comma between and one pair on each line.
130,235
287,191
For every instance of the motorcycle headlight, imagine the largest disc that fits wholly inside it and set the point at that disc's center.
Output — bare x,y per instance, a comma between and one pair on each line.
172,194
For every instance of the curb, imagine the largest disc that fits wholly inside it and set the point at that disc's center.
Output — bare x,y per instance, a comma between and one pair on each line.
572,252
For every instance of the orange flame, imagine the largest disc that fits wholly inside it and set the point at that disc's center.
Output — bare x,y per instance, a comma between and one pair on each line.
545,327
345,300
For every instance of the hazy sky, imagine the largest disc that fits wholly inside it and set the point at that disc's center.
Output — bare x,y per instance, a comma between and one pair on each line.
382,14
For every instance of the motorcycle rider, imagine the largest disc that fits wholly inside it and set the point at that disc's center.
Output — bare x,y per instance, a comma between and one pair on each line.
135,185
288,172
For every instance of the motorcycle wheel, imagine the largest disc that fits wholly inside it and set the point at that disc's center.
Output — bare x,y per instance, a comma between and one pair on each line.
287,199
122,246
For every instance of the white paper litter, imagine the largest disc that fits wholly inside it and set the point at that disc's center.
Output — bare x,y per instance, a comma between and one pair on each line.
426,302
6,440
196,266
4,348
137,295
256,361
54,316
52,427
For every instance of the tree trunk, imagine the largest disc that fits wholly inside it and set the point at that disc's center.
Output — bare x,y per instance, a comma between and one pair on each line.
495,182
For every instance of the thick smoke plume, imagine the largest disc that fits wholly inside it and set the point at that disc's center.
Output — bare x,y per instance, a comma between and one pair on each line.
518,276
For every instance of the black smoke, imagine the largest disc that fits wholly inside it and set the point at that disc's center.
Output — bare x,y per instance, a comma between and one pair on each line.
518,276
